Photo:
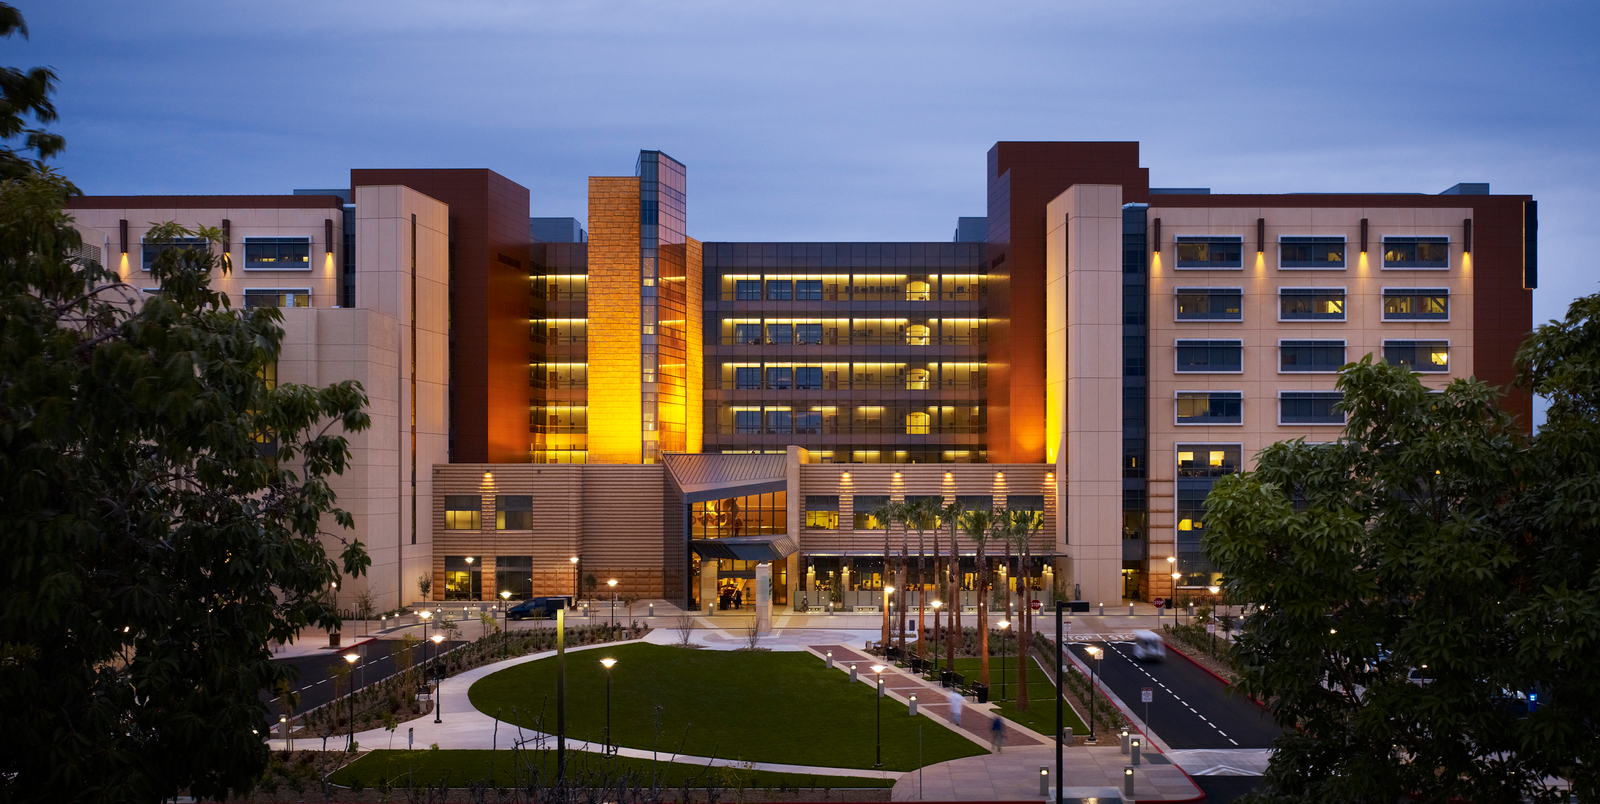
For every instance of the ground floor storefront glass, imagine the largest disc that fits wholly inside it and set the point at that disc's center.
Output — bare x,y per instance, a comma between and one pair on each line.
463,578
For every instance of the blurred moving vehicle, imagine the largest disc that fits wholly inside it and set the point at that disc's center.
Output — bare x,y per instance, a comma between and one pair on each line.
1148,646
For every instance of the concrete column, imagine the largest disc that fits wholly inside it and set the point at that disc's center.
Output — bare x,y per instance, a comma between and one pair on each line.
764,597
708,585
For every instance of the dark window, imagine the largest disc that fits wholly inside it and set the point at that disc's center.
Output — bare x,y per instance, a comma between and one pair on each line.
1208,460
822,511
1311,304
747,290
277,297
1025,502
1203,357
277,253
1416,252
747,377
808,333
975,502
865,504
747,422
1210,252
513,512
780,421
1309,407
1210,407
513,574
747,334
780,289
808,290
1416,304
463,512
1310,355
780,333
780,377
808,378
1209,304
1311,252
808,422
1426,356
149,251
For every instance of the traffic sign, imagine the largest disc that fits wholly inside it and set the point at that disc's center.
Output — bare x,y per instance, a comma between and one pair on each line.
1211,628
1159,602
1035,605
1146,695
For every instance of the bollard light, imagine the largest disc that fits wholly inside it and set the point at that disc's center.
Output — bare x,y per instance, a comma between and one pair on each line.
1102,609
1133,749
852,672
830,660
1044,781
1130,610
1127,781
1124,741
913,705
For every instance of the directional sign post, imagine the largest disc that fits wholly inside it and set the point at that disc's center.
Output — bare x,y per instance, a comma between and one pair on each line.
1146,694
1211,632
1159,603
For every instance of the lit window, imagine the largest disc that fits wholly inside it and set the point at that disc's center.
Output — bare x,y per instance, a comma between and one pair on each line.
1210,252
1209,407
462,512
1416,252
277,254
1311,304
1419,356
1210,304
513,512
1311,252
1416,304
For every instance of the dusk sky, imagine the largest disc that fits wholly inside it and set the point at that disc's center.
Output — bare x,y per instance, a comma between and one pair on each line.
837,120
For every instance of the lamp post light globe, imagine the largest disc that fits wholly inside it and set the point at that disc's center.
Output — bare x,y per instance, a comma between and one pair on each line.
1094,653
438,678
350,659
877,670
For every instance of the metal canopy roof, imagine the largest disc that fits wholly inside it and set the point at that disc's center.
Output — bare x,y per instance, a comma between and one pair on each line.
709,476
745,548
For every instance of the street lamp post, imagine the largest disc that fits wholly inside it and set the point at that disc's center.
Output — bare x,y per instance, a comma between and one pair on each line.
351,658
877,669
438,679
613,584
505,597
887,633
574,579
936,605
1094,653
1004,624
607,663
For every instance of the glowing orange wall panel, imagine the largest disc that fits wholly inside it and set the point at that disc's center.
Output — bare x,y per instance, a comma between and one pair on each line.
614,396
694,394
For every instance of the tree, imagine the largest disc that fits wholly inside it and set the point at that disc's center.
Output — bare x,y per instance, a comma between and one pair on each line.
921,516
155,543
1018,528
1408,581
950,516
886,515
977,525
25,93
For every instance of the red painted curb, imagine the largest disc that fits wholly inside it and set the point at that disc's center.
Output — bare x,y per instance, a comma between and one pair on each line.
1214,674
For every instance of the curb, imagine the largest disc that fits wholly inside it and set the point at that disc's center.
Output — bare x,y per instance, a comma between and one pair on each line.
1214,674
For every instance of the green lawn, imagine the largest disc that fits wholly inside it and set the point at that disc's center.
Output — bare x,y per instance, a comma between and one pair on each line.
1041,714
460,767
751,706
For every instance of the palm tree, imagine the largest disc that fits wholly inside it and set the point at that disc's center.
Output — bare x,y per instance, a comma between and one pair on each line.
921,516
977,525
950,515
886,515
1020,528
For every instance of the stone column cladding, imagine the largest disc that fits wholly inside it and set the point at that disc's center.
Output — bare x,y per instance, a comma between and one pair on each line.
614,364
1084,269
384,288
763,583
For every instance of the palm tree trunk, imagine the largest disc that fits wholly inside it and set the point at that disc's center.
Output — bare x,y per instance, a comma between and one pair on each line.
901,588
883,580
1025,638
983,618
938,564
922,592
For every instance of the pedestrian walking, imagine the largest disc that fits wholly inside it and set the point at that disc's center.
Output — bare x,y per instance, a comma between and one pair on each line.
956,702
738,598
997,735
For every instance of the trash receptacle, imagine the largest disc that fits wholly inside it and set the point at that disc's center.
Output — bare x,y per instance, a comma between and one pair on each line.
981,691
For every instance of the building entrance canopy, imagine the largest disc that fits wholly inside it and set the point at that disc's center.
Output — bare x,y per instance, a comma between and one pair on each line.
745,548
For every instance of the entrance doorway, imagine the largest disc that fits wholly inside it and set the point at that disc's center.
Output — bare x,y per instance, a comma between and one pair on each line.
1130,584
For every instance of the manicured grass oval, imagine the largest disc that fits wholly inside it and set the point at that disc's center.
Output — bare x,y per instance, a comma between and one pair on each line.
753,706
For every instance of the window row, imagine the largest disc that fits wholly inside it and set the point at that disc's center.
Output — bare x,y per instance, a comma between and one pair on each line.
854,332
899,287
1227,407
1305,356
1311,304
465,512
848,376
822,510
1214,252
854,419
260,253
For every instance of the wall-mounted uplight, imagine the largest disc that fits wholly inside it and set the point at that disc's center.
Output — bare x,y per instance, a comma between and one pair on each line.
1261,235
1466,236
1155,236
122,235
1363,235
327,233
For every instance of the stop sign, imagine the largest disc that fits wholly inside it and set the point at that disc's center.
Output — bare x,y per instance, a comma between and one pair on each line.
1159,602
1034,605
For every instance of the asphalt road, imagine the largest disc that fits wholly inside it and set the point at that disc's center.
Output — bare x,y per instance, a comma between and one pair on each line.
315,683
1189,707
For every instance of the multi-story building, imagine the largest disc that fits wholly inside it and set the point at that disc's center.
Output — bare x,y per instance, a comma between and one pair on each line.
706,415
